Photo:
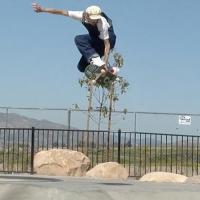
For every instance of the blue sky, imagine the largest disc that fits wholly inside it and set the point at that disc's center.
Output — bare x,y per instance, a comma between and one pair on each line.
159,40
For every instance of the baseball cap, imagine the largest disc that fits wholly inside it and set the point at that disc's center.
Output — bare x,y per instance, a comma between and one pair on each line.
94,12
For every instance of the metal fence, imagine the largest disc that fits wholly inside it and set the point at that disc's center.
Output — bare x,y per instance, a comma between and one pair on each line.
138,152
66,118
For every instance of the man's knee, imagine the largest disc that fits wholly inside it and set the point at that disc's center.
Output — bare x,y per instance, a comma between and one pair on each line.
77,39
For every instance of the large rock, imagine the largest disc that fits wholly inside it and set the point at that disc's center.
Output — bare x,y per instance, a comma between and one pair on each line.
193,179
164,177
61,162
108,170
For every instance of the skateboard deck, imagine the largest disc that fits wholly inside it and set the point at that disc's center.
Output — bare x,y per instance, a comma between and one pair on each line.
99,75
91,71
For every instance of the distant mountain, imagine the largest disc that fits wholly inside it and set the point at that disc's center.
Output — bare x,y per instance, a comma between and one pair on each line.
13,120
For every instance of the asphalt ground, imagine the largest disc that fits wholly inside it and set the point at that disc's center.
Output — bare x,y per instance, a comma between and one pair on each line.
31,187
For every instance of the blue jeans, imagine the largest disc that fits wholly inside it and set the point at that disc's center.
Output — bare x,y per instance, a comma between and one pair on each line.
90,48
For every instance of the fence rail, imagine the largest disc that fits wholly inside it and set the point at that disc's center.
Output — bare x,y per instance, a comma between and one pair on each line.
138,152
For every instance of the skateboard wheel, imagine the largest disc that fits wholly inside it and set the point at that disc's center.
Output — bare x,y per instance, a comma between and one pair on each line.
106,80
103,70
93,81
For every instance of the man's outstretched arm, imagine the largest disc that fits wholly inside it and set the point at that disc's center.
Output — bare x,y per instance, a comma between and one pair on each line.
38,8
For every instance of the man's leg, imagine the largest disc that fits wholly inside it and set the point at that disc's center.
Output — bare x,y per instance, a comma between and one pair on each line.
82,64
86,45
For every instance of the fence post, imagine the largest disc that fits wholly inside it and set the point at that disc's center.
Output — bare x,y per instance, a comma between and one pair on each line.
69,127
119,145
135,124
32,149
69,120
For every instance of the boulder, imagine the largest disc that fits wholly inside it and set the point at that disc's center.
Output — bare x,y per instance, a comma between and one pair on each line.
164,177
61,162
108,170
193,179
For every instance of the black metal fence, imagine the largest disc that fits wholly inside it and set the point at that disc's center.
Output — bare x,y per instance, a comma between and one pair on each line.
138,152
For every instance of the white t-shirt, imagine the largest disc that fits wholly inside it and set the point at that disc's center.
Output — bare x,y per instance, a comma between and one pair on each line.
102,23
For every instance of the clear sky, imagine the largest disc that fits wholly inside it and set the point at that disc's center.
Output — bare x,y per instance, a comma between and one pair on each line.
159,39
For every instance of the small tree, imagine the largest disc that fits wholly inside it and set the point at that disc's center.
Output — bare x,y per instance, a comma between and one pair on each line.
105,93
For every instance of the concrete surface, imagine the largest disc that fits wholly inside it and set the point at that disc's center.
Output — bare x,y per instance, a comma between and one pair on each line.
20,187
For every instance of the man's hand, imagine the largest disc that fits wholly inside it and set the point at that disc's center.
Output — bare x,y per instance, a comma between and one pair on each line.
36,7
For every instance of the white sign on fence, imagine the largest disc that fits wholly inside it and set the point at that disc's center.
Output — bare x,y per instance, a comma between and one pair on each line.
184,120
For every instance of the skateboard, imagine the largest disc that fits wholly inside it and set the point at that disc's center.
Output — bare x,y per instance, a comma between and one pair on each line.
99,75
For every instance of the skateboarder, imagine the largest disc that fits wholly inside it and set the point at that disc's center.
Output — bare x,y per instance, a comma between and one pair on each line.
95,46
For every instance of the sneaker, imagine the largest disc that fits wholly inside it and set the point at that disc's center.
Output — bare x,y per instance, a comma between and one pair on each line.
97,61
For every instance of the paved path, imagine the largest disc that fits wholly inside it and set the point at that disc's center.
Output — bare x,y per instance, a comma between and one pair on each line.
49,188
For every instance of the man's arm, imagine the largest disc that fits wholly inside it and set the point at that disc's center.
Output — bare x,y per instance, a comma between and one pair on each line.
37,8
106,50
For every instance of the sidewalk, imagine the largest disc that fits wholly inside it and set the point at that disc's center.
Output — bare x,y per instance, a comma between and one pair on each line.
20,187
